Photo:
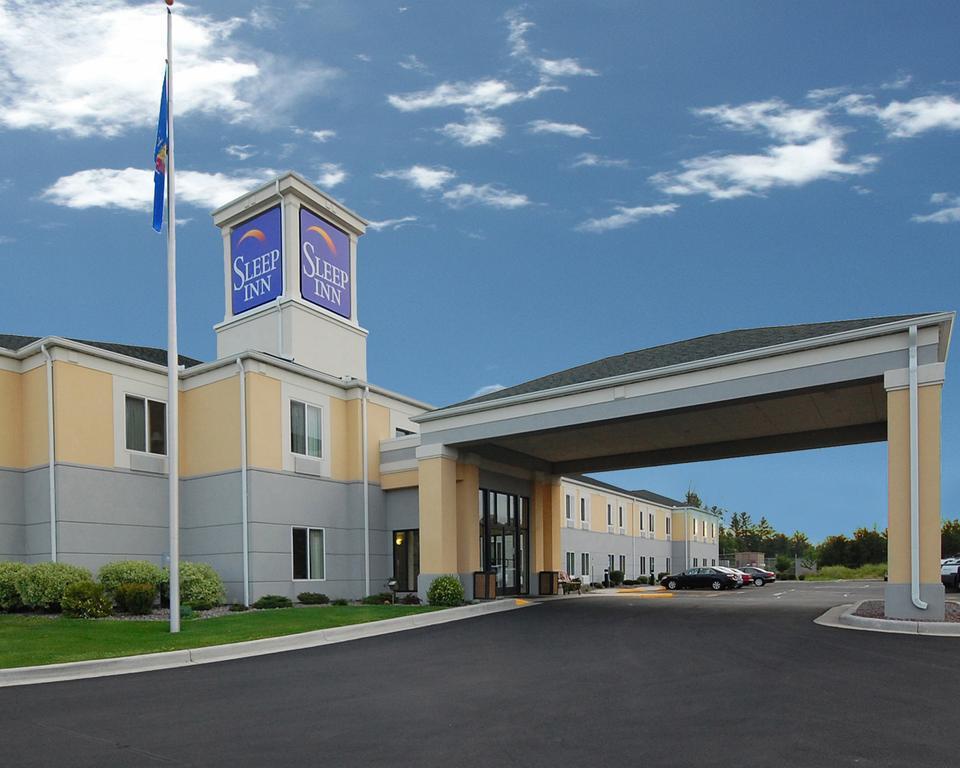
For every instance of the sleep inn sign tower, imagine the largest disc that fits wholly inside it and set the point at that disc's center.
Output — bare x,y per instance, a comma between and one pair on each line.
299,475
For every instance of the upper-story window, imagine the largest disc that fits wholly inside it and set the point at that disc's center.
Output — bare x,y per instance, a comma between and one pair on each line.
621,517
146,425
569,508
667,529
651,519
583,510
609,514
305,429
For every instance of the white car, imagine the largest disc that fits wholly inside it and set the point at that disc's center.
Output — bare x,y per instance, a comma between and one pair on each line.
950,572
737,575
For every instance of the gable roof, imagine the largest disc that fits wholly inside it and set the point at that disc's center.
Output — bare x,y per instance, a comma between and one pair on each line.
147,354
656,498
687,351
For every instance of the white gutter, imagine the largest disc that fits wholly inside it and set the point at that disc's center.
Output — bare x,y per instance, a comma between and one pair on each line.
914,476
51,454
243,483
694,365
366,493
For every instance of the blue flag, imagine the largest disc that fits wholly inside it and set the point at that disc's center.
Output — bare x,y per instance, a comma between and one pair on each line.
160,161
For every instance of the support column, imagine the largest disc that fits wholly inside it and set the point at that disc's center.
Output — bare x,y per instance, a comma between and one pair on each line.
468,525
897,593
437,466
547,506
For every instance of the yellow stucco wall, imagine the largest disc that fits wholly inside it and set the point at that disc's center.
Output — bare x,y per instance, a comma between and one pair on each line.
598,512
438,518
392,480
83,415
264,430
33,393
210,428
468,518
346,450
898,484
11,420
340,442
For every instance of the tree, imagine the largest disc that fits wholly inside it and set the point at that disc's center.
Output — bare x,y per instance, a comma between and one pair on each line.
693,500
950,538
799,543
832,551
867,546
764,532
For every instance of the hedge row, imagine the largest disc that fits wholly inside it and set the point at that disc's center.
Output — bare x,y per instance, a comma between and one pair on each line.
132,584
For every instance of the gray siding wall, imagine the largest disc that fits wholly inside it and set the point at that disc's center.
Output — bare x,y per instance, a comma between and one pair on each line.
602,544
694,549
211,528
12,534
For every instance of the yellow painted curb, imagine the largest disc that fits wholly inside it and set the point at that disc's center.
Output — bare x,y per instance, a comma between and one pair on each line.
649,595
518,601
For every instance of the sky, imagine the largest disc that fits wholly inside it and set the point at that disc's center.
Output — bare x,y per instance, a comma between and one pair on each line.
547,183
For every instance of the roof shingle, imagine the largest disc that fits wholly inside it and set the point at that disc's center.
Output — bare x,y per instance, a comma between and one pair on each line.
147,354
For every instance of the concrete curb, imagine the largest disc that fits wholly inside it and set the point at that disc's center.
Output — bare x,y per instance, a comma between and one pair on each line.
842,617
149,662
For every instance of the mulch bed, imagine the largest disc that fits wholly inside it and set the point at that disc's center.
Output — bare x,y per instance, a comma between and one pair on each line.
873,609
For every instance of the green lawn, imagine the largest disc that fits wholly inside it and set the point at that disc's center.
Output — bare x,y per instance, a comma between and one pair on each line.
835,572
27,640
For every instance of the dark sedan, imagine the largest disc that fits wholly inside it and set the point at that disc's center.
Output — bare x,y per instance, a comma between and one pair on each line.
700,578
761,576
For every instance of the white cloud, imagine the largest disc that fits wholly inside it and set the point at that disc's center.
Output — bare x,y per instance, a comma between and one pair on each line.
132,188
240,151
950,214
590,160
481,95
906,119
572,130
362,57
422,177
517,28
822,94
322,136
489,389
625,216
412,64
484,194
376,226
809,147
901,81
478,130
94,67
331,174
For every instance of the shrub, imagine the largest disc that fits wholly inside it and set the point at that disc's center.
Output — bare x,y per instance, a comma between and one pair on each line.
273,601
200,585
86,600
136,598
186,612
410,599
313,598
630,582
42,585
616,578
238,607
339,601
661,575
381,598
112,575
445,590
9,596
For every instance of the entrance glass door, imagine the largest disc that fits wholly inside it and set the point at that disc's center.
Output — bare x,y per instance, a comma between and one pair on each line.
504,540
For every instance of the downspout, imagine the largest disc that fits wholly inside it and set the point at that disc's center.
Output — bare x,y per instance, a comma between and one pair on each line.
914,476
51,454
243,482
366,493
633,539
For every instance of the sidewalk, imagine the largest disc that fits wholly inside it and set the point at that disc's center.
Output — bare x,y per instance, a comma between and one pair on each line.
148,662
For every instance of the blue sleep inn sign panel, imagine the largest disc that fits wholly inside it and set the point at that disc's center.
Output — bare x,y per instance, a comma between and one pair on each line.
324,264
256,261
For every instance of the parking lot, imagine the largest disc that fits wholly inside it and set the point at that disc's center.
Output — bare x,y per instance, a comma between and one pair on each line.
737,679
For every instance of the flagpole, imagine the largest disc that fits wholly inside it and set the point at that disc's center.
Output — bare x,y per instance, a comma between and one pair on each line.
173,359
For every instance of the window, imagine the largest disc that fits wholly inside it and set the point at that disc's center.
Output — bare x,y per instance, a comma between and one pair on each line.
694,522
651,520
146,425
623,564
583,511
703,528
713,530
308,555
305,434
653,570
621,517
714,562
569,507
668,525
609,514
694,561
640,520
668,560
585,564
571,563
643,564
610,565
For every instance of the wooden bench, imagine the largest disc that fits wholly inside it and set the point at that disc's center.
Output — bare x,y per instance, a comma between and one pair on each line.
569,585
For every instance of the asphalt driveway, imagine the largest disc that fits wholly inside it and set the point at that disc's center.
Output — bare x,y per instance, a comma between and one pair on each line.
737,679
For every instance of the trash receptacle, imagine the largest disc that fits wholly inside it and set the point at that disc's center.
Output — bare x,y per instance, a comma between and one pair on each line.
484,585
549,582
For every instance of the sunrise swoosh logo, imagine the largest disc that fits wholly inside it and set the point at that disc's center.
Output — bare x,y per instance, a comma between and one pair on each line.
326,238
255,233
